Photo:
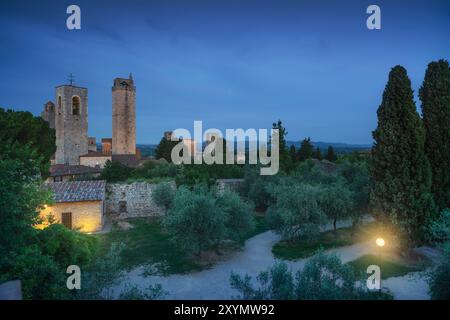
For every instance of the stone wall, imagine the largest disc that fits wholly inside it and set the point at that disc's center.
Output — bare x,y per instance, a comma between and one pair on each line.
130,200
92,161
231,184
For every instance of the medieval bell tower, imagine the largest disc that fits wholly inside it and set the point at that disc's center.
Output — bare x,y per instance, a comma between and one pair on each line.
71,124
124,116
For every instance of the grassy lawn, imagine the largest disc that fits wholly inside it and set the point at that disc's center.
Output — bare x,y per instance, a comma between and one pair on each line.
388,266
327,240
146,244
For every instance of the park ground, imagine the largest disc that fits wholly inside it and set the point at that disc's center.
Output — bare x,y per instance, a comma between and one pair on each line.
151,258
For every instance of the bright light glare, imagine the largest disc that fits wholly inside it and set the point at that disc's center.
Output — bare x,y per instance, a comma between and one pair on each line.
380,242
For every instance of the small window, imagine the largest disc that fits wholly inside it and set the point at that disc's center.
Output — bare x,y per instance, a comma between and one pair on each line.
76,106
59,105
57,179
67,219
122,206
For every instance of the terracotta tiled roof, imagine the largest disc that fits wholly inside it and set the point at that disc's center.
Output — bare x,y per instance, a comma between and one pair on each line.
76,191
67,170
94,154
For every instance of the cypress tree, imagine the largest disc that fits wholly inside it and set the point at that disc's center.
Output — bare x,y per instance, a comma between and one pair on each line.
164,149
317,154
401,191
306,150
293,153
435,97
286,163
331,155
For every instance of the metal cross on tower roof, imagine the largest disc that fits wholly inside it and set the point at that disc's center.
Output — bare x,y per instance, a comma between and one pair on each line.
71,79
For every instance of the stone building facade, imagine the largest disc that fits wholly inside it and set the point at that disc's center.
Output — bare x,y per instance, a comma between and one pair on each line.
95,159
107,146
131,200
69,117
49,114
124,116
71,124
92,144
86,216
78,205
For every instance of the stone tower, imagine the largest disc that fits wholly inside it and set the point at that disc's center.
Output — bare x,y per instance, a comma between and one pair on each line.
124,116
49,114
71,124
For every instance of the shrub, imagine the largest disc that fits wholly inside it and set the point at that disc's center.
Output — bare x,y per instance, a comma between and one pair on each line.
150,293
439,277
239,218
67,246
336,201
276,283
308,172
151,170
357,179
258,194
163,195
296,213
439,229
203,173
40,275
101,275
195,222
323,277
115,172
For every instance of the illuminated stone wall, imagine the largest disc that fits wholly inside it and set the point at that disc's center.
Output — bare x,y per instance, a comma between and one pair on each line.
87,216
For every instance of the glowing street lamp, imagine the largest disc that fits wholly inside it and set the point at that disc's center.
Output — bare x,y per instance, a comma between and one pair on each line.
380,242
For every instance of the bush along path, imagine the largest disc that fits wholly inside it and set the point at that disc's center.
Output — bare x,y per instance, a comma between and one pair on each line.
256,256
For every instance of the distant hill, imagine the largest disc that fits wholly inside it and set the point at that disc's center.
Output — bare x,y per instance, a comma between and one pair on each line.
339,147
148,150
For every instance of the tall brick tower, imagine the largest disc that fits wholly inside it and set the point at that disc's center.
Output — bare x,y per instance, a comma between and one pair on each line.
71,124
124,116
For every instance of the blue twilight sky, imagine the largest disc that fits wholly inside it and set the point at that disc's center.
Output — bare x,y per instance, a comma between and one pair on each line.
232,64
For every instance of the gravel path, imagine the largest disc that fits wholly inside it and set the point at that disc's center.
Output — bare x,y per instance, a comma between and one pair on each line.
256,256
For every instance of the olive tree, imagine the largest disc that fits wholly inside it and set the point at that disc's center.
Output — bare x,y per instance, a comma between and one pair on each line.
164,194
296,213
324,277
239,218
195,222
336,201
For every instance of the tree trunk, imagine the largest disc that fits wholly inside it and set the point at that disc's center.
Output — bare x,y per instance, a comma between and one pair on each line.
334,225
